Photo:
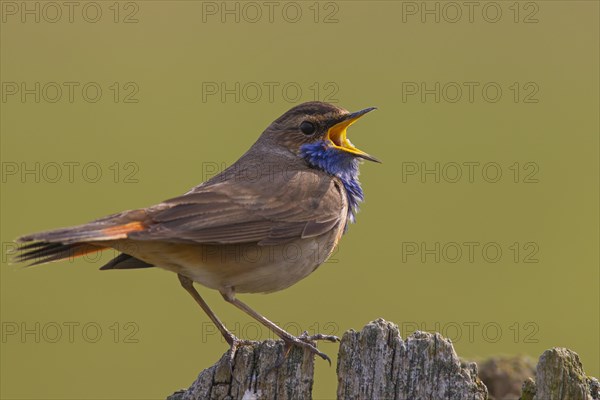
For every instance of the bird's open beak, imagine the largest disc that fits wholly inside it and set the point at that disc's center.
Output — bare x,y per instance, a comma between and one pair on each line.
337,135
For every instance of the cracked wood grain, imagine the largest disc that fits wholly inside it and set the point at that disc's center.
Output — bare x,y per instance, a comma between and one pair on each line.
376,363
255,375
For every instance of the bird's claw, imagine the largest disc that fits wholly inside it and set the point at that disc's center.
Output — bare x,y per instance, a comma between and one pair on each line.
234,344
305,341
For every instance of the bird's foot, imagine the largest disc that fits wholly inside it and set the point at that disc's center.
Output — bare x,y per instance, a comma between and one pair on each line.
234,344
305,341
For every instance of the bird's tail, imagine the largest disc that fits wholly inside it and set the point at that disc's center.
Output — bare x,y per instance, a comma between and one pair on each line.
76,241
44,252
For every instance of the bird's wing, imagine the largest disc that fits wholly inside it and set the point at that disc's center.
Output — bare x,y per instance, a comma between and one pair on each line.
264,210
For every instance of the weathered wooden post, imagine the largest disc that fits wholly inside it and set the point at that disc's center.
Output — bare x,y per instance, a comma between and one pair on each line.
376,363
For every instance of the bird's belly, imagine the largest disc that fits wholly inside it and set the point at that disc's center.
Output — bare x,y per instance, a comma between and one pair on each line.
247,268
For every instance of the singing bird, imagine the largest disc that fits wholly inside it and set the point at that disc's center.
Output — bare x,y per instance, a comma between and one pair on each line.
263,224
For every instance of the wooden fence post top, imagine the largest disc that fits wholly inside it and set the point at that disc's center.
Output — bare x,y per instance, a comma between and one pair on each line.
376,363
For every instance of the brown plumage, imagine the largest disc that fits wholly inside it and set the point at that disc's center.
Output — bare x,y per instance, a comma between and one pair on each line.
234,232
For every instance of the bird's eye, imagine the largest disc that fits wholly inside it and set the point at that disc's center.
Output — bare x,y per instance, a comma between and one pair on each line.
308,128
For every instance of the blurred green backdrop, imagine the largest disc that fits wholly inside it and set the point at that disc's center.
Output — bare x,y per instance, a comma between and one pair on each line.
503,87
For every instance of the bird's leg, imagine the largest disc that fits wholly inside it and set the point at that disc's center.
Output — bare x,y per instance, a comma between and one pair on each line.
231,339
289,339
188,285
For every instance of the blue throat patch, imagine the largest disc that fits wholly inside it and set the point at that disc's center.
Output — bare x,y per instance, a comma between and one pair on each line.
338,163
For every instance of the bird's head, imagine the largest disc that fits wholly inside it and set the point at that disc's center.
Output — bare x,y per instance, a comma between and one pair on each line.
316,131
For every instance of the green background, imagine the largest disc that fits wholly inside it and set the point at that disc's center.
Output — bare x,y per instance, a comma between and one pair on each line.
175,138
